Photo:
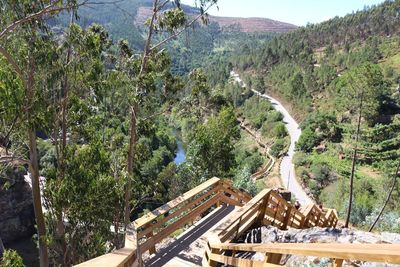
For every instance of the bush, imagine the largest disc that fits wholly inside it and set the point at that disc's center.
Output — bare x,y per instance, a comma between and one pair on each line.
11,259
307,140
242,180
301,159
277,148
279,130
321,173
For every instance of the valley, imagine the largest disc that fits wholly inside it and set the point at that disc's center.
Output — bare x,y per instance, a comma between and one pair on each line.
143,124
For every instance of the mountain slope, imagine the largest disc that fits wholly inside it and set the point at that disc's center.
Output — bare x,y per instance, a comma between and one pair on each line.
321,70
230,24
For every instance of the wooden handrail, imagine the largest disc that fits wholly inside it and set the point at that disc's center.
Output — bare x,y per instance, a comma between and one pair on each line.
267,208
145,232
163,221
387,253
149,217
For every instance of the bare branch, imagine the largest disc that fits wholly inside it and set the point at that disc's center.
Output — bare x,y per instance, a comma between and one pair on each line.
13,63
182,30
47,9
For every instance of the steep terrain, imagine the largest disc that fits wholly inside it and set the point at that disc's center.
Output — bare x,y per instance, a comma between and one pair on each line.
229,24
323,71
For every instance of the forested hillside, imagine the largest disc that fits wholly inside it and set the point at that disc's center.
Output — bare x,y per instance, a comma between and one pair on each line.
338,75
93,107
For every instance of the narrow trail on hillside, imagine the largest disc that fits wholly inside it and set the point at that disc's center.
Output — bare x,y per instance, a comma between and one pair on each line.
287,172
263,147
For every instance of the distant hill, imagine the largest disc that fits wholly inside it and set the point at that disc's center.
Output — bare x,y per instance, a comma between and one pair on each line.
231,24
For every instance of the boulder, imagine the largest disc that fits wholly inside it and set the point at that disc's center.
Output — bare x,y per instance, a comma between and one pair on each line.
17,217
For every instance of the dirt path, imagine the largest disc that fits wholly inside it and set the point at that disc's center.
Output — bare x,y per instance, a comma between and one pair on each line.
287,172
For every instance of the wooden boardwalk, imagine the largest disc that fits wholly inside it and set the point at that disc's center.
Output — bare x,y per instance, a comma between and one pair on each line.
208,242
188,248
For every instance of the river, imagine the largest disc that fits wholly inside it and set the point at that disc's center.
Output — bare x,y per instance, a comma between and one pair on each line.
180,154
287,172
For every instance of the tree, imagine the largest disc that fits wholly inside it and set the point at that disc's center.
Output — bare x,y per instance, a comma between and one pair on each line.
395,176
172,20
361,91
307,140
210,153
31,62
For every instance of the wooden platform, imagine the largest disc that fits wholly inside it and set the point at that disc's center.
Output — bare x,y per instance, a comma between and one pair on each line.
189,247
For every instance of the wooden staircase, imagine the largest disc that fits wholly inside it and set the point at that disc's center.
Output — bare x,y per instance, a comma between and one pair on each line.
214,244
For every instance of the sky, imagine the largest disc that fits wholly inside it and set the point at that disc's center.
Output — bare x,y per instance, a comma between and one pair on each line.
298,12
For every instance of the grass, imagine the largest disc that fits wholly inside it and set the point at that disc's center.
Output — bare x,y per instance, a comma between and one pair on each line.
394,62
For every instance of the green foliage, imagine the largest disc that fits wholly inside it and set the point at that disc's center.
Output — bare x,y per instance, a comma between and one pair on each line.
362,87
278,147
307,140
210,152
256,111
11,259
243,180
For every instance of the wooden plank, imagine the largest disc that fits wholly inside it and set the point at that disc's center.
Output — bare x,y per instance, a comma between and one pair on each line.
174,226
159,223
337,262
232,261
230,201
387,253
116,258
173,203
236,192
234,226
239,228
240,211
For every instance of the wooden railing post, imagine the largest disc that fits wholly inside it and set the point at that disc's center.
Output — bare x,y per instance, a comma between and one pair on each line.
220,192
273,258
261,212
337,262
287,217
152,249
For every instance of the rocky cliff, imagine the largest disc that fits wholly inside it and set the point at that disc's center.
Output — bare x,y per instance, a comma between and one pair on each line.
17,218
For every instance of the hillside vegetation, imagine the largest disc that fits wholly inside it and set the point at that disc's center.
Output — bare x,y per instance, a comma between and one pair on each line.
323,71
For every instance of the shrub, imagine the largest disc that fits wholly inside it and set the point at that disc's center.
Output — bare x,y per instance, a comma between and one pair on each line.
277,148
11,259
301,159
279,130
307,140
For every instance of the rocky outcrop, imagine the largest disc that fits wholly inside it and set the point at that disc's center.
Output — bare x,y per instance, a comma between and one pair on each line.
17,218
270,234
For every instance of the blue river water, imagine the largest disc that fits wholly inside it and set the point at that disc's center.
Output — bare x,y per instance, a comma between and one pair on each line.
180,154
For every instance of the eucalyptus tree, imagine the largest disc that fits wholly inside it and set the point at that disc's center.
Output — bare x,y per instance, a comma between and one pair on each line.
24,54
169,19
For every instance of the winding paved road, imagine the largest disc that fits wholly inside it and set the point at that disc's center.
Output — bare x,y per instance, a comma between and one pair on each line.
287,168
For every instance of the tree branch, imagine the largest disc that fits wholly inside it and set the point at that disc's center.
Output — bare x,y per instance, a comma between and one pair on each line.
182,30
13,63
47,9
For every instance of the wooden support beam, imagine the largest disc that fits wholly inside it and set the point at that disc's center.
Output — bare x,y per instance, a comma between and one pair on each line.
273,258
337,262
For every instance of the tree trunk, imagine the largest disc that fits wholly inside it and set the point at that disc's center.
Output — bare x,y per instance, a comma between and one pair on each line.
37,202
353,163
60,228
34,167
134,114
387,199
131,154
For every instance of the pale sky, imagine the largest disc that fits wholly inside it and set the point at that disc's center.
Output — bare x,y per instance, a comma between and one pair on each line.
297,12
